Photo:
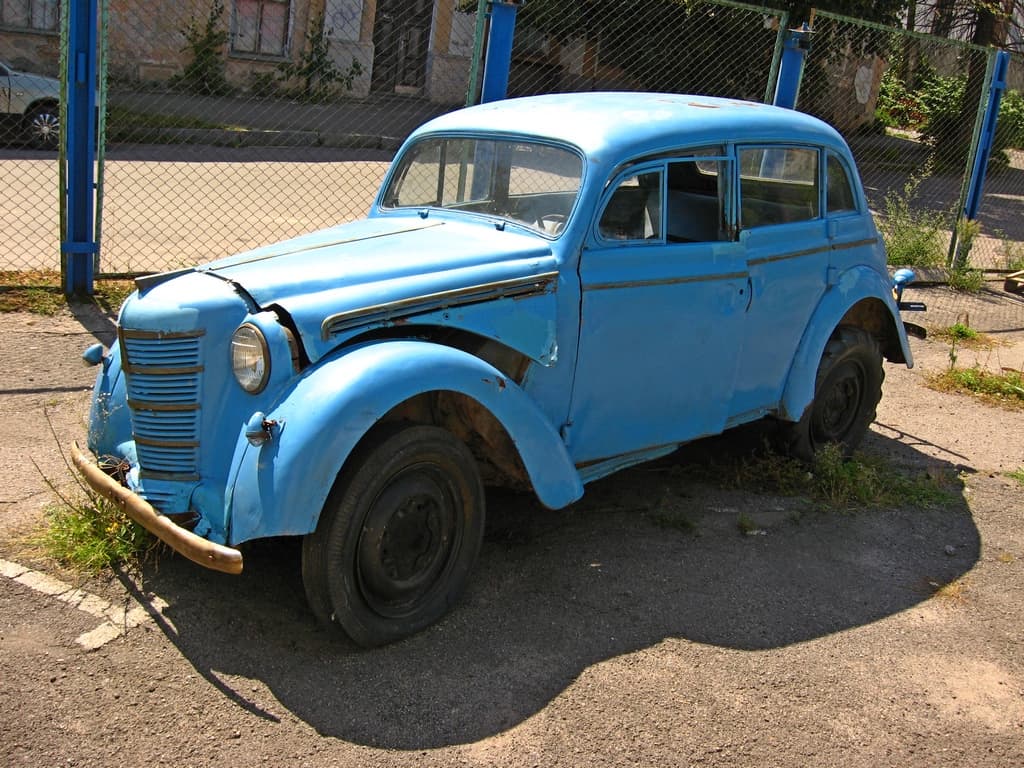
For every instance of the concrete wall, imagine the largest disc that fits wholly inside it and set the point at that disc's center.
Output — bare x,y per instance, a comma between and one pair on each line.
32,51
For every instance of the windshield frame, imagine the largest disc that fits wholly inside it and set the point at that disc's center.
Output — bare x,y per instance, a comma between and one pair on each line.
492,211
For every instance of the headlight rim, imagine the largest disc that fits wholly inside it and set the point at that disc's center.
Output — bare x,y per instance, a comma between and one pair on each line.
261,339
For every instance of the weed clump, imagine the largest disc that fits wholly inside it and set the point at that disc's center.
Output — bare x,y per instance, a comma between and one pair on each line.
1005,388
93,535
833,481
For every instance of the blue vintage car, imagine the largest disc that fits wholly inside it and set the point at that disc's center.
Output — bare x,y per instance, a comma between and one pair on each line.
545,291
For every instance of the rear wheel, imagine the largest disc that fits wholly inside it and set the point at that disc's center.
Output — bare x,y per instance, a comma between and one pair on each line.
397,537
847,389
42,126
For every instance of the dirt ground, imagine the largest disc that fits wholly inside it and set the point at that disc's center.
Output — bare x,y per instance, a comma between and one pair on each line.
591,636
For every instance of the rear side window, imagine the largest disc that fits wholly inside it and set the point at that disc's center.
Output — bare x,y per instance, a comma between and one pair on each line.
840,192
778,185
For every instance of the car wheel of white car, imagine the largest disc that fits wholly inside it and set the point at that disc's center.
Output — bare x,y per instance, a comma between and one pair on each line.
398,535
847,389
42,127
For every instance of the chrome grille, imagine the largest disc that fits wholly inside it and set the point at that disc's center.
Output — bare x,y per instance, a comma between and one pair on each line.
163,373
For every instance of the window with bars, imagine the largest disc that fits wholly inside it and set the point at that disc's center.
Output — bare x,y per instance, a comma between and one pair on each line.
32,15
261,27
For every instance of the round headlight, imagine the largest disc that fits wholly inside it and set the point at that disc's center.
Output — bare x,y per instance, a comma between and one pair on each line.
250,359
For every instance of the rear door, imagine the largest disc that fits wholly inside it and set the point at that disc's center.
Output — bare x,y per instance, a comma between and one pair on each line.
784,234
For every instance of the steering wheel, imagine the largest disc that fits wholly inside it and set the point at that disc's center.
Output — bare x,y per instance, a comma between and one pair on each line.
552,223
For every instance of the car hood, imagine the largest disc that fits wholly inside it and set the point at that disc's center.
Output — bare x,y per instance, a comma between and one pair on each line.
339,282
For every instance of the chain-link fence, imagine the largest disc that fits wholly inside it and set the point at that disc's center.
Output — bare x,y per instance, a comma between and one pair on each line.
241,123
29,116
232,123
646,45
908,105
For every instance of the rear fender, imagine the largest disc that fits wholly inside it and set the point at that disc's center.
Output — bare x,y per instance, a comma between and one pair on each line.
844,294
280,487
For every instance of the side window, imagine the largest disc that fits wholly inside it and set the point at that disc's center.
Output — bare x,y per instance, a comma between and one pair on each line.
693,203
840,192
634,211
778,185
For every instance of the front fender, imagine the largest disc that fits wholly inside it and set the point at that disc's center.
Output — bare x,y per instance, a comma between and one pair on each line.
852,286
280,487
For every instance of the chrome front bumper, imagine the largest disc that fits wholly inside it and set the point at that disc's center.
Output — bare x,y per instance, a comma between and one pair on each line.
216,557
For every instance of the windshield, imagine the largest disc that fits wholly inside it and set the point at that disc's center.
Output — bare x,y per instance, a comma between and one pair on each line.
530,183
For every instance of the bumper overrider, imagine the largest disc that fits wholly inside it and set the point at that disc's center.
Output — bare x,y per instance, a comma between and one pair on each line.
214,556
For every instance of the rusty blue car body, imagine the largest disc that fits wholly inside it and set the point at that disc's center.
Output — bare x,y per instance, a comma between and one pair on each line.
546,290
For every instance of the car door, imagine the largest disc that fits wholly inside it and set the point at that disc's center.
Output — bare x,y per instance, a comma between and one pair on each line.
664,291
784,235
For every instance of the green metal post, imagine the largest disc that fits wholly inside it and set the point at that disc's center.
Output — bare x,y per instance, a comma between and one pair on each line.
773,73
478,52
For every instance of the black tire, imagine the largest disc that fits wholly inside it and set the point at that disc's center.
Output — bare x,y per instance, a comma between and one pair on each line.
398,535
847,389
42,126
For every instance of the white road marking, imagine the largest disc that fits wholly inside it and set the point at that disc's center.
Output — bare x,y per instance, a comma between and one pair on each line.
116,619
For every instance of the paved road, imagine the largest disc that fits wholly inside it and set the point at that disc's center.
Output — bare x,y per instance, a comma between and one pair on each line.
169,206
603,634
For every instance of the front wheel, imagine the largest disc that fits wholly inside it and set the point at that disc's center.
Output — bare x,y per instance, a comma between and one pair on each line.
398,535
847,389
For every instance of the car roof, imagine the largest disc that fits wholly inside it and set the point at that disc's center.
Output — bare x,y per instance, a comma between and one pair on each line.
631,123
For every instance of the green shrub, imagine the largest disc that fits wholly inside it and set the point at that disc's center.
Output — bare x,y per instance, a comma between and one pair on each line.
914,237
898,107
315,70
1010,126
205,41
966,279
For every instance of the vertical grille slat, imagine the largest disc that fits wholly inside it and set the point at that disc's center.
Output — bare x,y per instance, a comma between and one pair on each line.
163,375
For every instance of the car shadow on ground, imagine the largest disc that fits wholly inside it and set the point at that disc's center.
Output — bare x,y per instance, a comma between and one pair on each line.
556,592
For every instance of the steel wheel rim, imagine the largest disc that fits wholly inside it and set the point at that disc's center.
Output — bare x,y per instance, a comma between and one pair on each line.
838,403
407,542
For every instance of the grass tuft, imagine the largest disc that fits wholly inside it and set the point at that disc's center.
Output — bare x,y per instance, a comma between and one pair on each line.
833,481
673,520
87,531
954,593
94,535
40,292
1005,389
747,526
961,333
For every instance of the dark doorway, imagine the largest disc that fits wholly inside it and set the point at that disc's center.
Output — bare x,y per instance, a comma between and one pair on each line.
401,34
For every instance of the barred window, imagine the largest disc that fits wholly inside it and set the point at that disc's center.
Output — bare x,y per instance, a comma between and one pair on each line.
34,15
261,26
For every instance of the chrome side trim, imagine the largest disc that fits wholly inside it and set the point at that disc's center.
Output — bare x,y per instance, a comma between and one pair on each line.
514,287
667,281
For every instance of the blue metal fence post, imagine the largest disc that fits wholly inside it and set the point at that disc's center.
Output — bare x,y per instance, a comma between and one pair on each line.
791,68
959,247
498,60
78,243
988,135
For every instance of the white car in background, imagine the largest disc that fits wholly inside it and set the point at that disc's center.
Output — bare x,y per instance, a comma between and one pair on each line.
29,108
